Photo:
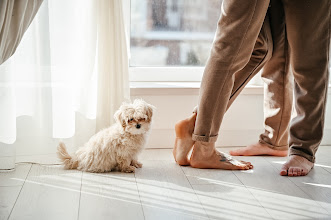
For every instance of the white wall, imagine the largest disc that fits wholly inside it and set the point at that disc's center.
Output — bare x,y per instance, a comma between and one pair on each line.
242,124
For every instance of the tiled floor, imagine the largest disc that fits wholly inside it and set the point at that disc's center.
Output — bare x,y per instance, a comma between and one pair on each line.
164,190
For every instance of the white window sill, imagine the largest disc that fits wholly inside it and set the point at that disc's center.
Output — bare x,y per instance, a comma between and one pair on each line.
178,88
183,88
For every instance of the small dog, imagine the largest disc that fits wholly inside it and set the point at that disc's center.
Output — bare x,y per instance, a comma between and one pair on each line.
117,147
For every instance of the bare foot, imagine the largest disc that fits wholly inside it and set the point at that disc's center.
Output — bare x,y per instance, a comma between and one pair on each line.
184,142
205,155
258,149
296,166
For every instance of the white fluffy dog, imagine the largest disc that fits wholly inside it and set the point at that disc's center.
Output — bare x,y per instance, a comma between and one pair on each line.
116,147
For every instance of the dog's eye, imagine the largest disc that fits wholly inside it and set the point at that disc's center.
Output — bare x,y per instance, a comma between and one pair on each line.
131,119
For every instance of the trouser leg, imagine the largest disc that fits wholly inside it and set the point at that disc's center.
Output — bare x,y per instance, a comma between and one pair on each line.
261,55
237,33
278,84
308,33
278,94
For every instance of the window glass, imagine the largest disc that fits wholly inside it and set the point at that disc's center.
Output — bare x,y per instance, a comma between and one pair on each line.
172,32
168,33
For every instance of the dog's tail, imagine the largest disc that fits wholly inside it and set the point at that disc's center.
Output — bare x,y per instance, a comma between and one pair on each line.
68,161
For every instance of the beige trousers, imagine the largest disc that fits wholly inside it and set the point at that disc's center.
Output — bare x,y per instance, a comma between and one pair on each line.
243,44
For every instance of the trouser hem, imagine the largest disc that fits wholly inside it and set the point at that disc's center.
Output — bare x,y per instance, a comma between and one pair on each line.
208,139
302,154
274,147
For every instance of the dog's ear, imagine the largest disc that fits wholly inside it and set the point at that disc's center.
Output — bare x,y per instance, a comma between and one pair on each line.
118,116
149,110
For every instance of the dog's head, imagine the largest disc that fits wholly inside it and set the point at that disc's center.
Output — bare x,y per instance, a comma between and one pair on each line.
135,117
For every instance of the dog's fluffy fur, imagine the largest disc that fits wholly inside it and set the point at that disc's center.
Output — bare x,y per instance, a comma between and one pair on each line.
116,147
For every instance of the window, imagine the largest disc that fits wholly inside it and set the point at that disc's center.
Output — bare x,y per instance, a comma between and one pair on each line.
180,32
170,40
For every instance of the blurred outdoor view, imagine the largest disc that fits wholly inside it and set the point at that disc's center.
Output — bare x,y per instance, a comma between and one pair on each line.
172,32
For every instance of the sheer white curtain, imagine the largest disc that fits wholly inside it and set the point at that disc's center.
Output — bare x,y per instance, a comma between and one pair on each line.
66,79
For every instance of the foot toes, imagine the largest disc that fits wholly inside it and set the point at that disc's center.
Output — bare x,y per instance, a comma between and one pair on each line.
290,171
284,171
304,172
295,172
299,172
248,164
245,162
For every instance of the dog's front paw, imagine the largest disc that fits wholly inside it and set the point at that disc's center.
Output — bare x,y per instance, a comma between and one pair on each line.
136,164
129,169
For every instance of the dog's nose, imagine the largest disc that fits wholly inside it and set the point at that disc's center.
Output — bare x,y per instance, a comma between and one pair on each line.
138,126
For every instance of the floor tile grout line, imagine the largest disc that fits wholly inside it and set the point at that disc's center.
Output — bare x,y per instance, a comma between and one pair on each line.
141,204
195,193
253,196
19,193
290,179
276,170
316,201
299,187
326,170
80,193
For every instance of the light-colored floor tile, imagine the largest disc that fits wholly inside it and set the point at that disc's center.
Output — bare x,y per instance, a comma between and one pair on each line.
15,177
160,202
110,202
326,165
226,201
320,193
55,175
263,176
166,193
210,176
49,192
294,204
162,173
116,178
156,154
46,201
317,175
323,154
43,158
276,162
8,196
164,190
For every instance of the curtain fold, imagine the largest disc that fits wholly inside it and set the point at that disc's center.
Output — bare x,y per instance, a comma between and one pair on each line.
113,81
66,79
15,18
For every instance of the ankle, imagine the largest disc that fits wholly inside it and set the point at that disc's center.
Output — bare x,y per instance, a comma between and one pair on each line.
204,148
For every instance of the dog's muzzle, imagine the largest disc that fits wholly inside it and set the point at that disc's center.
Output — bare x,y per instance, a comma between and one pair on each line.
138,126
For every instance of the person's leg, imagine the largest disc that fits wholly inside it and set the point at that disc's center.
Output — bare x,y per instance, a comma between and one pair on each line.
278,94
261,54
238,29
308,35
